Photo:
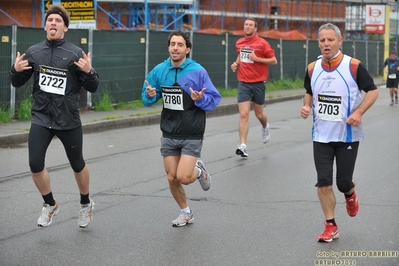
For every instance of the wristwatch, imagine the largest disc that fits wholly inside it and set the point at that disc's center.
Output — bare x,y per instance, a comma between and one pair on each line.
92,71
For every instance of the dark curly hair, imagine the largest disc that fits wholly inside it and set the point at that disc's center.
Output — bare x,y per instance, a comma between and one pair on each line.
185,36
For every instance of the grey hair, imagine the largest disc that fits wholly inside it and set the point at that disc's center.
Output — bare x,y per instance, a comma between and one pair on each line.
332,27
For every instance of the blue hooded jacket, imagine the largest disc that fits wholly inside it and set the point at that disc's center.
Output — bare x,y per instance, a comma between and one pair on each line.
189,122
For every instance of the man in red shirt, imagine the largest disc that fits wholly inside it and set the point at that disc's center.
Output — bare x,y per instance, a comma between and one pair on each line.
254,56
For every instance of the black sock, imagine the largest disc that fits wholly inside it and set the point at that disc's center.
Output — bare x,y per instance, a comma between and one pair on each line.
331,221
49,199
348,196
84,199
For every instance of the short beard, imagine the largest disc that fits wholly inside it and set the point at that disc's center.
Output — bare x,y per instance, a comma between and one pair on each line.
178,61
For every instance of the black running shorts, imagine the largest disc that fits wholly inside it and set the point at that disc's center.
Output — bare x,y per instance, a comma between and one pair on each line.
345,157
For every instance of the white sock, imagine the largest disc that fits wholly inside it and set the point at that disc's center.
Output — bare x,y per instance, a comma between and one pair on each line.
186,210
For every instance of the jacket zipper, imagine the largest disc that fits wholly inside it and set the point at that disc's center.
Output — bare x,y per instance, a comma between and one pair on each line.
51,95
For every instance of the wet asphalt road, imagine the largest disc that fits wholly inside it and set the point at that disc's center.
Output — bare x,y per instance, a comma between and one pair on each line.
262,210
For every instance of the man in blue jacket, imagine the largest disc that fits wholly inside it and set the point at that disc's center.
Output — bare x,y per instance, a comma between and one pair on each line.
187,93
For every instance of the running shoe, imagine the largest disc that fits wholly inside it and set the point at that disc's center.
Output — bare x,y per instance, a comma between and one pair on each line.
266,134
396,100
48,212
391,104
329,234
242,150
204,178
86,214
183,219
352,205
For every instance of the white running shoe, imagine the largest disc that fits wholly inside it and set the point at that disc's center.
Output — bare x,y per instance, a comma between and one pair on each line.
266,134
242,150
86,214
204,178
46,218
183,219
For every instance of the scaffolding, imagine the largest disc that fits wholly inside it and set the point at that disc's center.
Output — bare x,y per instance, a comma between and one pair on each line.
226,15
221,16
163,15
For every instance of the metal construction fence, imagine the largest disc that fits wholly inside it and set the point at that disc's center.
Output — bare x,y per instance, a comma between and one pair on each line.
123,59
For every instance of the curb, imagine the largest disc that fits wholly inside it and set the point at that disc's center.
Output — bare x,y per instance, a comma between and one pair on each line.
226,109
92,127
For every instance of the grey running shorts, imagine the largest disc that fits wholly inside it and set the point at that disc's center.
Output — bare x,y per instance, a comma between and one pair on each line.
171,147
254,92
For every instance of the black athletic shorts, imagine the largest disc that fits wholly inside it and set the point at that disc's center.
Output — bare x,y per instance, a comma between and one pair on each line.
392,83
40,138
345,157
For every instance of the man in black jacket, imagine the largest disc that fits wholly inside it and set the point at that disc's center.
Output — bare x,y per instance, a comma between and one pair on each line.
59,70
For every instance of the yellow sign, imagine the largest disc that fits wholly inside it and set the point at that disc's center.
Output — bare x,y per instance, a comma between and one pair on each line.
78,10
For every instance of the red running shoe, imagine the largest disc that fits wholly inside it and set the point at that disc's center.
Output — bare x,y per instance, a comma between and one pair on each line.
329,234
352,205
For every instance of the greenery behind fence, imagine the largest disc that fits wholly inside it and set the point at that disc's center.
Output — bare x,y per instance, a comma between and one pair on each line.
122,58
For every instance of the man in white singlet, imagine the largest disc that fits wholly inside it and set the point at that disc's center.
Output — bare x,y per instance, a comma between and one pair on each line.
334,85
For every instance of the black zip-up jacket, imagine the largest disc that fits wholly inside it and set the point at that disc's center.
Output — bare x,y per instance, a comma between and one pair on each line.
57,83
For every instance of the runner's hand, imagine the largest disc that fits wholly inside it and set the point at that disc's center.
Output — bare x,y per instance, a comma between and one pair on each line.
84,63
21,64
197,95
150,90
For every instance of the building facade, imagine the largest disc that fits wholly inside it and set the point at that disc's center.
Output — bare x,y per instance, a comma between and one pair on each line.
221,16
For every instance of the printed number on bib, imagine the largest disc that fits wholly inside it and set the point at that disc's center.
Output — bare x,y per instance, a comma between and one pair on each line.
53,80
329,107
244,55
392,76
172,97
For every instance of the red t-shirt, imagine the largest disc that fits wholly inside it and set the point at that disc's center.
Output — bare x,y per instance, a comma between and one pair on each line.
250,71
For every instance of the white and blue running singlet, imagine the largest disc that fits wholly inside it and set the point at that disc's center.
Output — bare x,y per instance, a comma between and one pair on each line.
335,96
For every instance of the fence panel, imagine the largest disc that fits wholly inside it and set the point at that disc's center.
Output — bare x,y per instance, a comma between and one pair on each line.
275,71
210,52
158,49
5,64
119,59
361,52
375,57
313,51
347,48
26,37
122,58
294,58
232,81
